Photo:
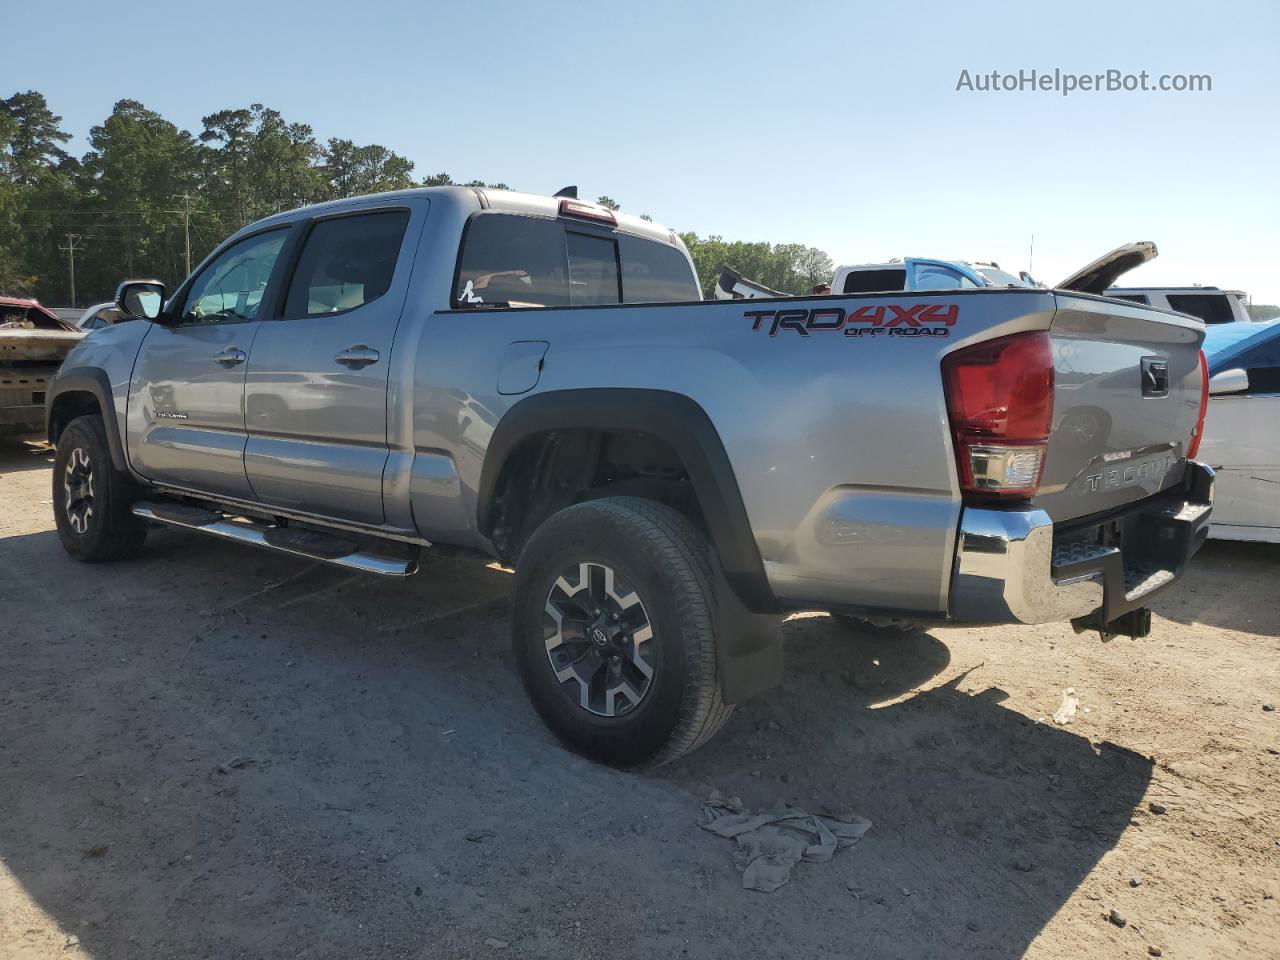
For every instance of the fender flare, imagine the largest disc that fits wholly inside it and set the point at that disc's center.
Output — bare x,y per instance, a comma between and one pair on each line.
672,417
94,381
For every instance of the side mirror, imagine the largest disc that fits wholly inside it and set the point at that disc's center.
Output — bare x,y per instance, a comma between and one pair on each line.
1228,381
140,299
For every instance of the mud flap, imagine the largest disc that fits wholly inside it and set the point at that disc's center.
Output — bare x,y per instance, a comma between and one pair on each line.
748,645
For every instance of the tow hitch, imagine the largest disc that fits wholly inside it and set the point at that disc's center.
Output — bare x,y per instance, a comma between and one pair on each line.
1135,624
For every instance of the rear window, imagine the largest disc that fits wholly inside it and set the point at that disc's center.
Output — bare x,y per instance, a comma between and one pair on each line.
875,281
593,269
521,261
656,273
1209,307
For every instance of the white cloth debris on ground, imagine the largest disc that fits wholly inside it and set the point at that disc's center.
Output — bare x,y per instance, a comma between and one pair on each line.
770,844
1067,711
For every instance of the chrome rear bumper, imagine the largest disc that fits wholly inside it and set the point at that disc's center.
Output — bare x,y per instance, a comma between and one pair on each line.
1015,566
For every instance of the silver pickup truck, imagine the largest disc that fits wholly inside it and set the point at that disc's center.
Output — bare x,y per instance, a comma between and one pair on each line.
537,378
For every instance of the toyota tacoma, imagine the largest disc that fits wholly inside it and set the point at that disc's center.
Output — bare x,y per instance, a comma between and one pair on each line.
538,378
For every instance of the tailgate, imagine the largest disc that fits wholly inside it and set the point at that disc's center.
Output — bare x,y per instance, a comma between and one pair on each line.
1126,399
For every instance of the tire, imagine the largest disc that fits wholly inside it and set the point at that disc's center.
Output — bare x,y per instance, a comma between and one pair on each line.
91,499
885,628
640,564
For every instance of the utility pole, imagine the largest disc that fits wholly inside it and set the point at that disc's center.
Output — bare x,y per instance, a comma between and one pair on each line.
1031,257
72,245
186,199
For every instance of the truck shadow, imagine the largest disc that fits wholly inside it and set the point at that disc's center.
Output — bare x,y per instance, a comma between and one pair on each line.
218,752
1221,589
985,822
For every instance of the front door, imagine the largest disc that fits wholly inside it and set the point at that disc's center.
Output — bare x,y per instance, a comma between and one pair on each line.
186,397
316,387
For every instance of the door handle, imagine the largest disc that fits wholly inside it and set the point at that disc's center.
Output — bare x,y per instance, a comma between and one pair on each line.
357,355
230,357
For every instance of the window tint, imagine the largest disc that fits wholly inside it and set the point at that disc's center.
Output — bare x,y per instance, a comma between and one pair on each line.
231,287
535,262
515,260
1131,297
875,281
655,273
346,262
1209,307
593,270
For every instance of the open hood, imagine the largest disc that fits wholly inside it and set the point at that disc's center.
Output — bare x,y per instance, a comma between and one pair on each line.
1103,272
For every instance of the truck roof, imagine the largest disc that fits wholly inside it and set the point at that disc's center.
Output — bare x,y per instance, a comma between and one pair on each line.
513,201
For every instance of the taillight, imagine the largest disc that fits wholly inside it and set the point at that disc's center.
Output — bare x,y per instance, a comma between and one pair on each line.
1000,401
1198,433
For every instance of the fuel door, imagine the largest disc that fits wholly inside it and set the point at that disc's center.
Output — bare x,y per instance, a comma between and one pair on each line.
521,366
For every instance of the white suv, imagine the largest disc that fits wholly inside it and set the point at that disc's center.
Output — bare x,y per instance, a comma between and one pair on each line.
1204,303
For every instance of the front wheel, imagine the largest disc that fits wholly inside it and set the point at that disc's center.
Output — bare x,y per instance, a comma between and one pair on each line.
613,627
91,499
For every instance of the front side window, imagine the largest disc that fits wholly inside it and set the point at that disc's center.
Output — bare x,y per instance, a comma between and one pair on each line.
346,262
231,288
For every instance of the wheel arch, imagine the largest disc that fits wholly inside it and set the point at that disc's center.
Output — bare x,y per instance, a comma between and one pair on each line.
671,418
78,392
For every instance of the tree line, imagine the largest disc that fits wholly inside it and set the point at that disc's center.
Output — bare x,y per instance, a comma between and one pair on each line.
149,198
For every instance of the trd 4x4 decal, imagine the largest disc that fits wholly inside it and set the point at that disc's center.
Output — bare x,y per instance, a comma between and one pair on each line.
886,320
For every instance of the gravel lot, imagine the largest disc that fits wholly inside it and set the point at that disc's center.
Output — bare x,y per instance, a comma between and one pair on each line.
216,752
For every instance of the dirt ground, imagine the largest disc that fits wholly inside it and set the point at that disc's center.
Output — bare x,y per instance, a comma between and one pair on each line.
216,752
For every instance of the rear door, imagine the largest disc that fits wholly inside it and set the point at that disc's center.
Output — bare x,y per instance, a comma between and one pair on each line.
316,385
186,399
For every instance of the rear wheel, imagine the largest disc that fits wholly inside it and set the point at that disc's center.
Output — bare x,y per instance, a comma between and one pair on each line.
91,499
613,630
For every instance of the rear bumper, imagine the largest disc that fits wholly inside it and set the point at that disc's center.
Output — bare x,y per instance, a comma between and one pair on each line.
1014,566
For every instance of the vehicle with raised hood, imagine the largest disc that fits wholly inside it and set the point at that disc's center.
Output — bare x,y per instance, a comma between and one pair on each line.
537,379
33,342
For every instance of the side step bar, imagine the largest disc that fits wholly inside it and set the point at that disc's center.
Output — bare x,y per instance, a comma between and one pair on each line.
299,542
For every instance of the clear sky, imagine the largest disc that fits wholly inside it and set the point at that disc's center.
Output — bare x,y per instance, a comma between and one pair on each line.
832,124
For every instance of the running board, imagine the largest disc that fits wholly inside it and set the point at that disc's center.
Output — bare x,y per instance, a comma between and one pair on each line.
333,548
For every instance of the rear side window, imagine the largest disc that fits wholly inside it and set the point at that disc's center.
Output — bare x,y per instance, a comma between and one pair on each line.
875,281
513,260
346,262
1209,307
655,273
1132,297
